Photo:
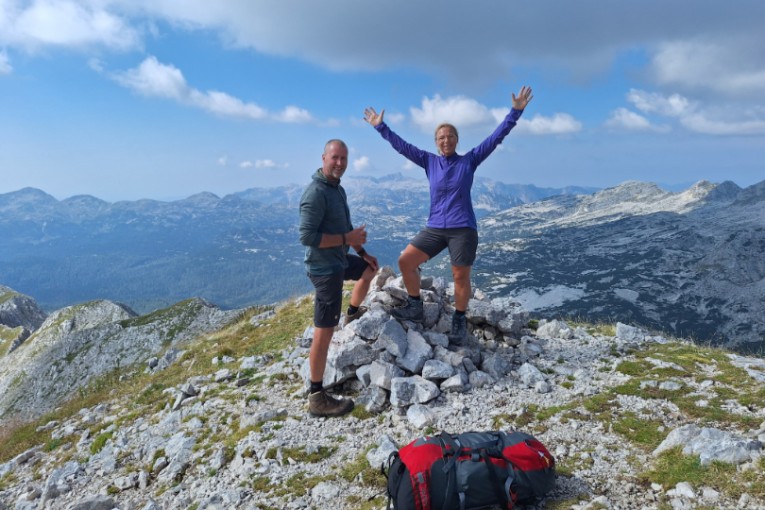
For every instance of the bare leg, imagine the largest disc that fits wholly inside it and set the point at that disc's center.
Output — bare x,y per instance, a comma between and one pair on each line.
462,289
409,262
317,358
361,287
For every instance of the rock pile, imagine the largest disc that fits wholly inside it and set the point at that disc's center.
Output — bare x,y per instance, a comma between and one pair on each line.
407,365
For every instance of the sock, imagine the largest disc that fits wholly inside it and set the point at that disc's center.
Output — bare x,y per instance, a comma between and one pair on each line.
458,313
414,298
316,386
352,309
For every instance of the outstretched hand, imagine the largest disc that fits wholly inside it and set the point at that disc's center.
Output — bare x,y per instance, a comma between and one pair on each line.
524,97
371,116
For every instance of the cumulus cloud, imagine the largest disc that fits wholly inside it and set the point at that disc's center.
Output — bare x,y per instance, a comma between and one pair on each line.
558,124
293,114
727,66
155,79
269,163
457,110
67,24
673,105
713,125
730,120
362,163
245,164
622,118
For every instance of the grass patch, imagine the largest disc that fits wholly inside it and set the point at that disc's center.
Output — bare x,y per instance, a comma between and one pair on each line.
672,467
100,441
360,469
646,433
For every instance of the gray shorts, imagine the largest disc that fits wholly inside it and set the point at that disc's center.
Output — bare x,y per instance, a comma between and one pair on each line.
329,292
461,242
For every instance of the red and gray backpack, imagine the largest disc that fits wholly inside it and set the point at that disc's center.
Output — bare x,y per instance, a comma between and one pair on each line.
469,471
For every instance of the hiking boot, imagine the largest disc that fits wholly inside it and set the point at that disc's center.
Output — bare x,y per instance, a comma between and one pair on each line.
459,329
352,317
322,404
412,311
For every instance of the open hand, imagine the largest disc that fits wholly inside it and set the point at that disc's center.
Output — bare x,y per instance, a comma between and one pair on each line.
524,97
371,116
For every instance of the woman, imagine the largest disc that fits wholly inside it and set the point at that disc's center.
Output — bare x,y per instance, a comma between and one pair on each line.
451,223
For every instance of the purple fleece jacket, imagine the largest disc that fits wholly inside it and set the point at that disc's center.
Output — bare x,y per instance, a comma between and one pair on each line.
451,178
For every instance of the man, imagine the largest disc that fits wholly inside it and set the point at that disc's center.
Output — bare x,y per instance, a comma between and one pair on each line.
326,231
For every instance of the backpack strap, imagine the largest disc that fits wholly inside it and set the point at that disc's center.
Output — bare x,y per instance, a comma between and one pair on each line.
501,489
452,452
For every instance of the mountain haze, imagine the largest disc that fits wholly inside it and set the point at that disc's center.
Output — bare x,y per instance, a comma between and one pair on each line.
238,250
688,263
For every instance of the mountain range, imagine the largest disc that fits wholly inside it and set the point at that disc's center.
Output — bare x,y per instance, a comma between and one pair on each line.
234,251
687,263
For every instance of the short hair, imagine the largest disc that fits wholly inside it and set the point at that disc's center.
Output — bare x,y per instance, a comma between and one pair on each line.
446,125
335,141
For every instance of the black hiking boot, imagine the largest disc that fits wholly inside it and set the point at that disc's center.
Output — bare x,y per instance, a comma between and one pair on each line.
459,329
412,311
321,404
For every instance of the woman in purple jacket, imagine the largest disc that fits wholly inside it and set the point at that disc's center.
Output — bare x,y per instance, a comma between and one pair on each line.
451,223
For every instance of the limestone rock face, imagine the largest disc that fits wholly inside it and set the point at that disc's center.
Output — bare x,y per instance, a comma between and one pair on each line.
19,310
76,344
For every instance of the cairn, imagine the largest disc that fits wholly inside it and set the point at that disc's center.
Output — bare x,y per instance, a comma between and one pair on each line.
405,364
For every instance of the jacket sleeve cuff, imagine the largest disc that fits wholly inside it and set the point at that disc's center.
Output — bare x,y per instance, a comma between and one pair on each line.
515,114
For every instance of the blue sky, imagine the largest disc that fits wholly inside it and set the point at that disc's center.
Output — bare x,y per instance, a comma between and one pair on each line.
162,99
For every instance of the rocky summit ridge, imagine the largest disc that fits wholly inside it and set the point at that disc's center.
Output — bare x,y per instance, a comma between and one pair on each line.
219,419
688,263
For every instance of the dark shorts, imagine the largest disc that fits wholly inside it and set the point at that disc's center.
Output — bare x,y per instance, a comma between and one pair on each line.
329,292
461,242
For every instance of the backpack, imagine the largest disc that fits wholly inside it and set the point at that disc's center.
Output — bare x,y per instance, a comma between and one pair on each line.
469,471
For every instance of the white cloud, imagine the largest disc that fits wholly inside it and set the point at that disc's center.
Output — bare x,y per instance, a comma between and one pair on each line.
674,105
732,65
223,161
67,24
155,79
152,78
394,118
265,163
361,164
5,64
268,163
622,118
714,125
711,120
457,110
221,103
293,114
558,124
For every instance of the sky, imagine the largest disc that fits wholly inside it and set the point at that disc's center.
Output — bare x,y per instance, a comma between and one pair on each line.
163,99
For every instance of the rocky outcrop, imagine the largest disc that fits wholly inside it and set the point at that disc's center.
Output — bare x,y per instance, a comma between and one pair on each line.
19,310
77,344
687,263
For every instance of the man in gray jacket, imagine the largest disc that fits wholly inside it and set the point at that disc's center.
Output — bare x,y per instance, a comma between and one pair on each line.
327,232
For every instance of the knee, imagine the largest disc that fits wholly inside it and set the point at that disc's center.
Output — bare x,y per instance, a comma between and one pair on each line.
406,263
368,274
